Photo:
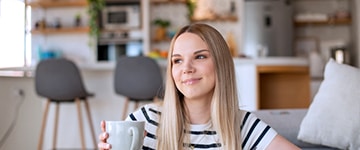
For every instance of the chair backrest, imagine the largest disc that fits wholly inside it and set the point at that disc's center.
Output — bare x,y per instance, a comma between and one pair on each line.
138,78
59,79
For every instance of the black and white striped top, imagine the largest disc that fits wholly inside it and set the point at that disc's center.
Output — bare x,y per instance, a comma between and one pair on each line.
255,134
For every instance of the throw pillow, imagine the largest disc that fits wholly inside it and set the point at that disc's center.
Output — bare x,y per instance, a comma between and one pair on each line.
333,118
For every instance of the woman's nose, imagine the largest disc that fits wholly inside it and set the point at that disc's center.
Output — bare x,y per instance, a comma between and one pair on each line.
188,67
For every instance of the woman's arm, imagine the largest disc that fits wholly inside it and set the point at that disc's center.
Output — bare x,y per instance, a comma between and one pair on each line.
280,143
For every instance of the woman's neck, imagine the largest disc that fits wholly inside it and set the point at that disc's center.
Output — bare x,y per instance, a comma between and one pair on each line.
198,111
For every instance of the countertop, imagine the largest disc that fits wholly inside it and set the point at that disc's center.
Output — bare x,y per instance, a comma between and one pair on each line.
27,71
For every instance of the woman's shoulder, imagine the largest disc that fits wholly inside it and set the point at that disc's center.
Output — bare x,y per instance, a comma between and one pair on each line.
255,130
247,118
147,112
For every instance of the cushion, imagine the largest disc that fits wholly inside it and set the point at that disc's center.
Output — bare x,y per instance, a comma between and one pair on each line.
333,118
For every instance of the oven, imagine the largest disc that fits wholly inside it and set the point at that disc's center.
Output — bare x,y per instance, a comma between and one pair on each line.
113,44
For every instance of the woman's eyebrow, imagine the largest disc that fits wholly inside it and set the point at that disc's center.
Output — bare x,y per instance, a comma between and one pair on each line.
196,52
202,50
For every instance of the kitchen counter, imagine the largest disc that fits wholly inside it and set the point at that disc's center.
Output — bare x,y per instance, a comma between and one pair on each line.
106,104
109,66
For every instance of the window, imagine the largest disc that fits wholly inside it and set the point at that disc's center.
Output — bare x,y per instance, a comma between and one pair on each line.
12,33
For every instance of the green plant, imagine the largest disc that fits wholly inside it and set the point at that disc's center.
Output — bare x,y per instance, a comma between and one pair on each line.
162,23
191,5
94,9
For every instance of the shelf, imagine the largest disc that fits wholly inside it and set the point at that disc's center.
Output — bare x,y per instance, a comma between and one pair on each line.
61,30
58,3
228,18
167,1
345,21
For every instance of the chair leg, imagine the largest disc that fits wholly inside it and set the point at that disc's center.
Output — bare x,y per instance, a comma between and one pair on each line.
136,105
90,122
125,108
56,125
80,123
43,125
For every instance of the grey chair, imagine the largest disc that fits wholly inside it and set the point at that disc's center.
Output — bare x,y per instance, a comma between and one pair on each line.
60,81
139,79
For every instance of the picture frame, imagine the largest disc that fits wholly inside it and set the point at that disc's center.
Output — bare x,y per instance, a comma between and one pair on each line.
304,45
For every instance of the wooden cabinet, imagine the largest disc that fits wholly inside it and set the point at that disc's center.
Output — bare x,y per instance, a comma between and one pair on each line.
283,87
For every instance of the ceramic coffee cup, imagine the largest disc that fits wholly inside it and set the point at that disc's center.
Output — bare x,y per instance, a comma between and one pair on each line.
125,135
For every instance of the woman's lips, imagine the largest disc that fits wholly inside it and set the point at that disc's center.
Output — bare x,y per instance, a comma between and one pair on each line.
190,81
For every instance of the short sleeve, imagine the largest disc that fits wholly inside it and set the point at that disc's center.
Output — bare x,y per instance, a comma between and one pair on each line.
255,133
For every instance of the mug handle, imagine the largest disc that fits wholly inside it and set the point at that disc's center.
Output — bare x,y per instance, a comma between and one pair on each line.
135,140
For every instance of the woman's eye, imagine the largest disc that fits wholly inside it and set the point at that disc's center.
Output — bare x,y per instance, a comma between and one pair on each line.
176,61
200,56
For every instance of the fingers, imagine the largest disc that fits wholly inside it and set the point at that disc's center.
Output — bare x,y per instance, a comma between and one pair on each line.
103,126
102,145
103,137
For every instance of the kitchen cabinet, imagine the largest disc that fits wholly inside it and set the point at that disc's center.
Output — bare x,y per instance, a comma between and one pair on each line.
283,87
273,83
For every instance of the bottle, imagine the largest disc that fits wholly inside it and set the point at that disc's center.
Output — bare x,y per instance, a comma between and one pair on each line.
232,44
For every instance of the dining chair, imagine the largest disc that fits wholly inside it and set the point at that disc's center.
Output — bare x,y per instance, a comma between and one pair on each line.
59,81
138,79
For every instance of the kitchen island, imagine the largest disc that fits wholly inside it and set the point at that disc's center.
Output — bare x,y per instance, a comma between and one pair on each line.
106,105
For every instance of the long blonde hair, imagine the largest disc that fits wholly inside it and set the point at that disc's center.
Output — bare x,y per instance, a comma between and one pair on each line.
224,106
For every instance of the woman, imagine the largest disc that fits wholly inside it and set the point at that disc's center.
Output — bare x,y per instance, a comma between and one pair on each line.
200,108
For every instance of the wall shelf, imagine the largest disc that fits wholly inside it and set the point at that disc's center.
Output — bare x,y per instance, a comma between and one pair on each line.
215,19
64,30
345,21
167,1
58,3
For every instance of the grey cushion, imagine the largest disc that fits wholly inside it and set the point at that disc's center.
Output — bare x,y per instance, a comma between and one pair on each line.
287,123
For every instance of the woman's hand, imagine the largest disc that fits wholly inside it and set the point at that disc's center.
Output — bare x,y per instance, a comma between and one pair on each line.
102,145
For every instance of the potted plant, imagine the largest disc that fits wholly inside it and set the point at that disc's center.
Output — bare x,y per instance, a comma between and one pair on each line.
162,25
94,9
78,20
191,6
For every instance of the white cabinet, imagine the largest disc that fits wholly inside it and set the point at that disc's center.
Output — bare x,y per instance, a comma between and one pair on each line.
246,85
273,83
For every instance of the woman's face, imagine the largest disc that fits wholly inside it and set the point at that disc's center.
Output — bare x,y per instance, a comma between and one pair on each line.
193,67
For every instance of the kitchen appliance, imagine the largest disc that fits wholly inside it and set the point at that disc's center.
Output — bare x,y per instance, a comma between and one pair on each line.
340,55
122,16
268,24
114,44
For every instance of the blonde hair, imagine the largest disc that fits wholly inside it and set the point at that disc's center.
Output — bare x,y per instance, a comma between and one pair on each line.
224,106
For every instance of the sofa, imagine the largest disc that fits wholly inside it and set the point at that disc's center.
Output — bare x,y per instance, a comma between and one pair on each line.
287,123
332,121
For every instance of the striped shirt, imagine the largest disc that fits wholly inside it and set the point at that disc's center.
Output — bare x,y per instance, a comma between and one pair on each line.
255,134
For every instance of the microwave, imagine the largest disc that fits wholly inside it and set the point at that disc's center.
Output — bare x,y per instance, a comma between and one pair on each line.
121,17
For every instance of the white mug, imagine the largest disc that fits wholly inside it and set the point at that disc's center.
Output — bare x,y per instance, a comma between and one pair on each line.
125,135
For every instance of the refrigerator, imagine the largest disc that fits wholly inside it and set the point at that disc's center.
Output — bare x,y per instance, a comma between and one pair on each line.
268,28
